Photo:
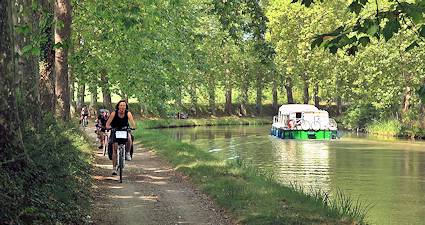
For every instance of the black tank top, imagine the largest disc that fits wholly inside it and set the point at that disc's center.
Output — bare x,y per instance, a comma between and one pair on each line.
118,122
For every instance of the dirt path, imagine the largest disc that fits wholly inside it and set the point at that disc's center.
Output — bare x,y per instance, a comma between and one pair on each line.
152,193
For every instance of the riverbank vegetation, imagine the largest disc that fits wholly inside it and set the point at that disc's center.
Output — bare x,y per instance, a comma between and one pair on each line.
170,123
250,195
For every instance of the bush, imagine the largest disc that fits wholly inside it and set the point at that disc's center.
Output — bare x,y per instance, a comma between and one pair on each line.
359,116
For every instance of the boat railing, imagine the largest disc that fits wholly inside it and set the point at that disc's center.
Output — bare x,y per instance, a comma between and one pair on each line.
332,123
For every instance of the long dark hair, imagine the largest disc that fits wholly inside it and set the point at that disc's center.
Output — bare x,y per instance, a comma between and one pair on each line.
126,105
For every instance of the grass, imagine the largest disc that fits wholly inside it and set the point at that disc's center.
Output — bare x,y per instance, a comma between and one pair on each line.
54,186
170,123
385,128
250,195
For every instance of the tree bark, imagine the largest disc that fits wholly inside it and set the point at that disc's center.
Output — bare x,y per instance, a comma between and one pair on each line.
227,86
81,94
47,75
288,88
105,90
339,105
406,99
244,98
274,94
193,100
306,94
26,66
211,100
316,95
12,152
62,38
93,100
259,97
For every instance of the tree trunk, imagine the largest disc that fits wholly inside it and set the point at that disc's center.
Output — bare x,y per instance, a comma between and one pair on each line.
259,98
406,99
193,100
211,98
274,94
288,88
81,95
62,38
316,95
72,102
93,100
339,105
228,86
47,75
306,95
12,152
244,98
26,66
105,90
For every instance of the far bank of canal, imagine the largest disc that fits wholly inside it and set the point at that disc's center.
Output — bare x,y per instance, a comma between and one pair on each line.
388,174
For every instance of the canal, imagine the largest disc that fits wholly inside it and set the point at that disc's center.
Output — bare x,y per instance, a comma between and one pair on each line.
389,174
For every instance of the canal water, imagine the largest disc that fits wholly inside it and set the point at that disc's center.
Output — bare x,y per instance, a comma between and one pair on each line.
389,174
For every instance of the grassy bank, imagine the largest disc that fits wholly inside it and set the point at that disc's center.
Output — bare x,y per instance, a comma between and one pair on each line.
169,123
53,187
395,128
250,195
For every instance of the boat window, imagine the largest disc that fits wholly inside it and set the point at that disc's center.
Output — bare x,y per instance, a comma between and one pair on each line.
298,115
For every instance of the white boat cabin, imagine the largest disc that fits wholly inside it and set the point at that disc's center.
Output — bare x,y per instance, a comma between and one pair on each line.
303,117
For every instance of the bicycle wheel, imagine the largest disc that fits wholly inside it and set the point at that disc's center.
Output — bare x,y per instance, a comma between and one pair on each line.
121,160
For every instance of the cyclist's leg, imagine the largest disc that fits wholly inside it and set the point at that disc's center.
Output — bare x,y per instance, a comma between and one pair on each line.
127,147
114,156
101,137
129,143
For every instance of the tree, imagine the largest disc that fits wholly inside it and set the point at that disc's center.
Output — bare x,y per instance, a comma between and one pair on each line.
62,40
11,145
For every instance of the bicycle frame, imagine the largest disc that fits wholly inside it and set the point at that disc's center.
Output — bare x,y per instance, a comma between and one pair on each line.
121,153
121,159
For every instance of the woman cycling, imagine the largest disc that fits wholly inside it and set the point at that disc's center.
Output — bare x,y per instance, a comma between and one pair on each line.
117,120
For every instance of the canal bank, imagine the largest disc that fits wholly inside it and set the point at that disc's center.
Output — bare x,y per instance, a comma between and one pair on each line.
251,196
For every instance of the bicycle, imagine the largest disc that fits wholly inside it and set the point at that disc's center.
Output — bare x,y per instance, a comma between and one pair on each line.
84,122
121,137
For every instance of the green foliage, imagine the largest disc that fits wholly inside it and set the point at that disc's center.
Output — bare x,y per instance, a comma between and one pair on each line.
54,187
360,116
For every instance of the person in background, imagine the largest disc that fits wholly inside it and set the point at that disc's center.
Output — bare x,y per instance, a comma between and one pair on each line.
84,113
101,126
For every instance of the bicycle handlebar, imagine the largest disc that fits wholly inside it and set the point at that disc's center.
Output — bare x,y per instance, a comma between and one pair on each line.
123,128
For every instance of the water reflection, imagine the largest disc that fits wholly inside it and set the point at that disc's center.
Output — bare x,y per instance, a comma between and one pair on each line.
305,163
387,173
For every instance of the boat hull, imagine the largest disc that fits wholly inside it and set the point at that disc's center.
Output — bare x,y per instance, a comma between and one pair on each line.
303,134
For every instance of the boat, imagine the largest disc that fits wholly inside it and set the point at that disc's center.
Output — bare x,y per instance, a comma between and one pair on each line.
303,122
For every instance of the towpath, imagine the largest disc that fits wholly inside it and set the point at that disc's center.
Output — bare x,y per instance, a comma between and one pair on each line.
152,193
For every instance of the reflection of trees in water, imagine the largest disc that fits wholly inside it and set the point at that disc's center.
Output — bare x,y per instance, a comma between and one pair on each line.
305,163
227,134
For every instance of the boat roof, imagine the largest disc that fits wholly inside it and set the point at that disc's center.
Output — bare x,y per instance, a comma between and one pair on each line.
290,108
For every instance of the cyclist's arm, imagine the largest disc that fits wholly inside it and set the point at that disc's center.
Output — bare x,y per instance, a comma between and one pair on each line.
130,118
108,123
